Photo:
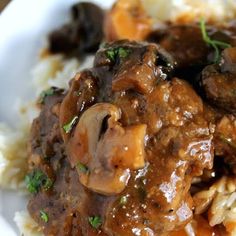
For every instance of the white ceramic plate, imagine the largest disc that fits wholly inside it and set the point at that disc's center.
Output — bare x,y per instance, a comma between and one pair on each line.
24,25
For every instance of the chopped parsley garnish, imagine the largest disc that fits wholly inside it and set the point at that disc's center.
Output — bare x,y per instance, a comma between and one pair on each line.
83,168
123,200
111,54
123,53
44,216
78,93
68,127
95,221
211,42
36,180
120,52
47,184
44,94
46,158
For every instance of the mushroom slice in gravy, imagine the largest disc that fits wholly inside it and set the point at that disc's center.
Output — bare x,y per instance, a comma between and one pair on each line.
103,147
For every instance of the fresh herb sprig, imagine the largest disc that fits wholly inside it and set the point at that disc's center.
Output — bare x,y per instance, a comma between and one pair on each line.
120,52
68,127
44,216
44,94
211,42
83,168
36,180
95,221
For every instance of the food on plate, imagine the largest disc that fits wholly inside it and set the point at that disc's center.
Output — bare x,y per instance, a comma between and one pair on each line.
142,141
83,34
127,19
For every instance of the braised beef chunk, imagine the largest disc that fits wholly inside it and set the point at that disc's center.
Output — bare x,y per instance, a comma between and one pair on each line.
219,81
184,43
225,140
44,131
65,201
82,35
121,147
137,66
191,53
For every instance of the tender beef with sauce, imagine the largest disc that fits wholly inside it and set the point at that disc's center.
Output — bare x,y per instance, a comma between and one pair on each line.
120,148
225,140
126,149
184,43
190,51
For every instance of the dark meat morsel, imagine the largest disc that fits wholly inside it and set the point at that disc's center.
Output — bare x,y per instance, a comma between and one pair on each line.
44,131
184,43
134,148
225,140
66,203
179,147
219,81
137,66
82,35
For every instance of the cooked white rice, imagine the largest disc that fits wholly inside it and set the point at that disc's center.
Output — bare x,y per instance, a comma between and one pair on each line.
191,10
220,198
26,225
56,71
13,156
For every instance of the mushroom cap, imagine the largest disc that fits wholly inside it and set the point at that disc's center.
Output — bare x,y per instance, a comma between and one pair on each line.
108,154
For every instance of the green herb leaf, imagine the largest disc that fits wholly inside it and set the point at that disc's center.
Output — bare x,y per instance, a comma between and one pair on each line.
83,168
111,54
47,184
68,127
44,216
120,52
95,221
44,94
123,200
78,93
213,43
37,179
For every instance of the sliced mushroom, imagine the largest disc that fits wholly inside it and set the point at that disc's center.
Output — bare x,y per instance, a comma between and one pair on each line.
82,34
107,155
228,63
219,81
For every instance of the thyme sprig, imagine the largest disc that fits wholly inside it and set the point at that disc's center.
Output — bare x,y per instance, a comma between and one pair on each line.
211,42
